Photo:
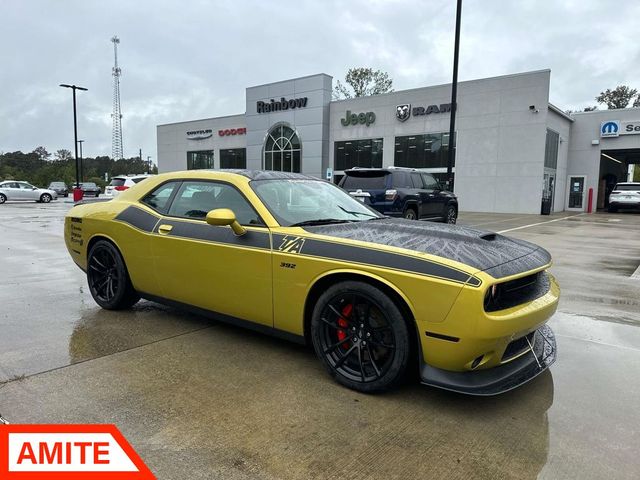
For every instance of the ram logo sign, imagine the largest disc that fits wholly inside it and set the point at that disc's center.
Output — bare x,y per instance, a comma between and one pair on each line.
610,128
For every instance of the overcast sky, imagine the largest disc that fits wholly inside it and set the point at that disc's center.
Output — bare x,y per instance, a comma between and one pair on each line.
185,60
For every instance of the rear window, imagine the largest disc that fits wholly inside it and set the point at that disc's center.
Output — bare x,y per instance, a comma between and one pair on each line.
377,181
628,187
57,184
117,182
137,180
90,185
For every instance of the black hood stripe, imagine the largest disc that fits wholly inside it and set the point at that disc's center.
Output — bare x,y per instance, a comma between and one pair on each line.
138,218
378,258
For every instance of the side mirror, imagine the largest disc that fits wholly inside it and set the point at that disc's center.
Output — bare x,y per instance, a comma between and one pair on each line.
224,216
34,188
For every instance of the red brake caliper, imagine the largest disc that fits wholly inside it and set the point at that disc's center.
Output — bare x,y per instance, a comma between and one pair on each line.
342,322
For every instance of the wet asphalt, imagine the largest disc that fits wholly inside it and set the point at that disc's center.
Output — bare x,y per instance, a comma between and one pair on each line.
201,400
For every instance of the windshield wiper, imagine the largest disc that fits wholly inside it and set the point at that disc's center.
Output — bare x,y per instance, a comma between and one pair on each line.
320,221
353,212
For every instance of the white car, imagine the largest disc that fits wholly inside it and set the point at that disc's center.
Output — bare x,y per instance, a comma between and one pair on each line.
14,190
123,182
625,195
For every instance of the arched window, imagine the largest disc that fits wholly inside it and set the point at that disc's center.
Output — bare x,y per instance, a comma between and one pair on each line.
282,149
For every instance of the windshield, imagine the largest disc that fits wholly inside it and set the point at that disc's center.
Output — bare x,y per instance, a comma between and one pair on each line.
56,185
300,201
90,185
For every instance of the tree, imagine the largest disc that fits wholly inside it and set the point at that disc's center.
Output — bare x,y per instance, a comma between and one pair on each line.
619,97
63,155
42,153
363,82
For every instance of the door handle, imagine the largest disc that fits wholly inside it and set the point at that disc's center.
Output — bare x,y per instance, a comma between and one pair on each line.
165,229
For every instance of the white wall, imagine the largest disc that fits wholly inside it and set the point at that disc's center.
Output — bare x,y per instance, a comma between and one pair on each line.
173,143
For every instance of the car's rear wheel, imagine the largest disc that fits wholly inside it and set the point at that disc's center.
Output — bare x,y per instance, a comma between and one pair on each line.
360,336
410,214
45,198
612,209
451,215
108,278
3,198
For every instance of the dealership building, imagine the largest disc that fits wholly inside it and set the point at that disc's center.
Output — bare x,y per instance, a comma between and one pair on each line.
515,152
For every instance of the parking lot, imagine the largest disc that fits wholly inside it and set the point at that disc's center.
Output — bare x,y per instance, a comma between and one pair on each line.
200,399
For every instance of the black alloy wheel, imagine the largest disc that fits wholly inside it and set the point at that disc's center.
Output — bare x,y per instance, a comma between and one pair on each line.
360,336
410,214
108,278
451,215
45,198
3,198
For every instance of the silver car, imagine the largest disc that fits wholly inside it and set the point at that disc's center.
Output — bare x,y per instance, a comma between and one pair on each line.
13,190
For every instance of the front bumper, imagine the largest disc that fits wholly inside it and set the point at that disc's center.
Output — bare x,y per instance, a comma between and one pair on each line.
498,379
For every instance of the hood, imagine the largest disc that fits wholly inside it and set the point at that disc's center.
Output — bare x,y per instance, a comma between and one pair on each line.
495,254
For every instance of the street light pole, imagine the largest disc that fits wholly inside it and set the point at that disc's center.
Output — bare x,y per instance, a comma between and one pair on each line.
454,94
81,165
75,127
148,164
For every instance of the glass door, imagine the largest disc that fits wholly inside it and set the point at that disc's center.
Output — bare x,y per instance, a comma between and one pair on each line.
576,192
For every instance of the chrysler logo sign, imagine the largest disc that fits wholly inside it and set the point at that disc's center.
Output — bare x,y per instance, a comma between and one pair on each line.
404,111
199,134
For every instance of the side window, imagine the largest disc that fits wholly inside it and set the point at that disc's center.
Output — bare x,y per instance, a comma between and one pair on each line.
159,198
417,180
402,180
430,183
196,199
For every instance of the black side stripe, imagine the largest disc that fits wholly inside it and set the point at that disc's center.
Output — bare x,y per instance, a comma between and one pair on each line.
352,253
138,218
210,233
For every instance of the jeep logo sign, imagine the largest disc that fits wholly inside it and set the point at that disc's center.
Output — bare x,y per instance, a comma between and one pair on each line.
358,118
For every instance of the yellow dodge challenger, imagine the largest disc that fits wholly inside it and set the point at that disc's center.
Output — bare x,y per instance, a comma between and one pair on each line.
298,257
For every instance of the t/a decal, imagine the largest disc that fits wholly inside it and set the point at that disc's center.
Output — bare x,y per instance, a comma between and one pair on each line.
291,244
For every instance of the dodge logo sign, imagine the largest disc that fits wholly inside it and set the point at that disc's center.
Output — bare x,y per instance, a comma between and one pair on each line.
403,111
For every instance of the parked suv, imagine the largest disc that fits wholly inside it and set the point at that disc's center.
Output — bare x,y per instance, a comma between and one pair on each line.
402,192
625,195
123,182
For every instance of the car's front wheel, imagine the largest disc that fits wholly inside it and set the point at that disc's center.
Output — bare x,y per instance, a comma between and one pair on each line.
108,278
410,214
3,198
45,198
360,336
451,215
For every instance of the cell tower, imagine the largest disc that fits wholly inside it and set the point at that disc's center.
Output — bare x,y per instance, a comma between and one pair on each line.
116,133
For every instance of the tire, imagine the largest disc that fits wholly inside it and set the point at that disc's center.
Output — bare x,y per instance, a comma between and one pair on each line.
369,353
45,198
410,213
612,209
97,194
66,195
108,279
3,198
450,215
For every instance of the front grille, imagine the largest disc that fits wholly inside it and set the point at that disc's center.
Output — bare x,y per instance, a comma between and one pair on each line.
516,292
518,346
